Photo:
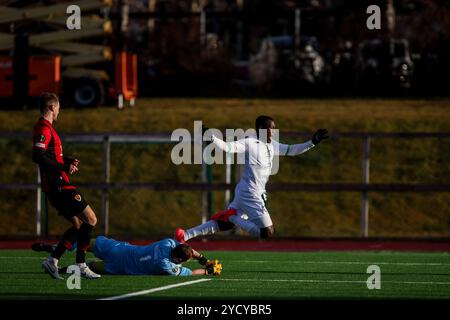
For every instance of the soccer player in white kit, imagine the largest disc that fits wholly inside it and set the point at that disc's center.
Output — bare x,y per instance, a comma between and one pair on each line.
250,193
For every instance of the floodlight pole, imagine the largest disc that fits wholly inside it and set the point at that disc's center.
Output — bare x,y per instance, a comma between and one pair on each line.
227,178
297,35
365,195
38,204
203,28
204,194
106,180
41,208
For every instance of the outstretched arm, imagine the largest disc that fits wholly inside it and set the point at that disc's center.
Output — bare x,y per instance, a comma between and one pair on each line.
281,149
197,255
198,272
296,149
229,147
210,267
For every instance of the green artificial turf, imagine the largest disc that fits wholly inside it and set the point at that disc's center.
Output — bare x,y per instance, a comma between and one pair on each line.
251,275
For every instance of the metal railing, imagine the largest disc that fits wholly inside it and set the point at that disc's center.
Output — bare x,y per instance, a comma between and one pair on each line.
106,139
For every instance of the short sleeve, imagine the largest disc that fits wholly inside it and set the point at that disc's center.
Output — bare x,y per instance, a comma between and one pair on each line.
174,269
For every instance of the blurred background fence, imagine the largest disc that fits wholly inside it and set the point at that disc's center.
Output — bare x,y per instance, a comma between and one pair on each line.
137,191
389,178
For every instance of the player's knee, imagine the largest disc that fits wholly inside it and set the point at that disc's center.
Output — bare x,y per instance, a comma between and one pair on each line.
89,216
266,232
77,224
93,221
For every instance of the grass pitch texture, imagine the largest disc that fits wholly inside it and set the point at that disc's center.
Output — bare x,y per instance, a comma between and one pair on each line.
251,275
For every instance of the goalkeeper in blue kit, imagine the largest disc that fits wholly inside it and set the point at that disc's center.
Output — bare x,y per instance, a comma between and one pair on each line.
164,257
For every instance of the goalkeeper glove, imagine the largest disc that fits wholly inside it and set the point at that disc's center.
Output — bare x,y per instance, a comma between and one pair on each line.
319,135
202,260
214,268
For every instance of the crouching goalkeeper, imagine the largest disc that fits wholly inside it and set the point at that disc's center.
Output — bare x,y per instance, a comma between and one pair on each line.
164,257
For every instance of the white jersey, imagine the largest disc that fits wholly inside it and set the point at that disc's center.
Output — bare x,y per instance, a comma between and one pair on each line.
259,158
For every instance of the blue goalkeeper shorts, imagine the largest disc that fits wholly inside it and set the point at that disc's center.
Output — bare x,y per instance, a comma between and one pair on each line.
111,252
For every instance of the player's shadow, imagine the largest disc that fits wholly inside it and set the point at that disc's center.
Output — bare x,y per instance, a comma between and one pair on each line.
20,272
33,296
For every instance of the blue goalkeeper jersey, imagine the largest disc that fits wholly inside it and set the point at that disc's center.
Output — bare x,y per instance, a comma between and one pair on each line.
153,259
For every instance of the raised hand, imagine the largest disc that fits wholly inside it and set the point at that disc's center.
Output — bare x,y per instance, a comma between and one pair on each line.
74,166
319,135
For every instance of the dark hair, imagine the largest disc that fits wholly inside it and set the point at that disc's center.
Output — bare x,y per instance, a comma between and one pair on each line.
47,99
183,252
262,121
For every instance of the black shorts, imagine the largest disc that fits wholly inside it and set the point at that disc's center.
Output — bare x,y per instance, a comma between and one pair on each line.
68,202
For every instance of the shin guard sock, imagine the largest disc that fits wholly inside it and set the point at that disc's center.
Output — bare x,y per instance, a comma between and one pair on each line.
66,242
204,229
84,238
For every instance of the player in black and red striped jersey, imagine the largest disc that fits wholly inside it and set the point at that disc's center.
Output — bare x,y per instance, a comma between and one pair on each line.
64,196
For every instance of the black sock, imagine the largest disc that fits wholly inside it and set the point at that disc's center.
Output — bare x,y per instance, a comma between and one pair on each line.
66,242
84,237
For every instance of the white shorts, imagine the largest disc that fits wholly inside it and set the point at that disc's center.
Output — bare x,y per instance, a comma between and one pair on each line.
254,209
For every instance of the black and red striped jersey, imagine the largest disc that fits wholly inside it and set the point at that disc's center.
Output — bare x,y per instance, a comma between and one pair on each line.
48,154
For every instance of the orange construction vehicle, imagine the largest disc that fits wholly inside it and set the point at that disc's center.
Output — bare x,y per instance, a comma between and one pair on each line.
60,60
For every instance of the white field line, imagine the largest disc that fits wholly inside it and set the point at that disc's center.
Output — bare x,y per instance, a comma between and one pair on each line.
140,293
355,262
332,281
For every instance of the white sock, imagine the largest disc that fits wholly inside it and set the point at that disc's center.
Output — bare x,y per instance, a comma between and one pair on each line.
53,260
246,225
82,265
209,227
